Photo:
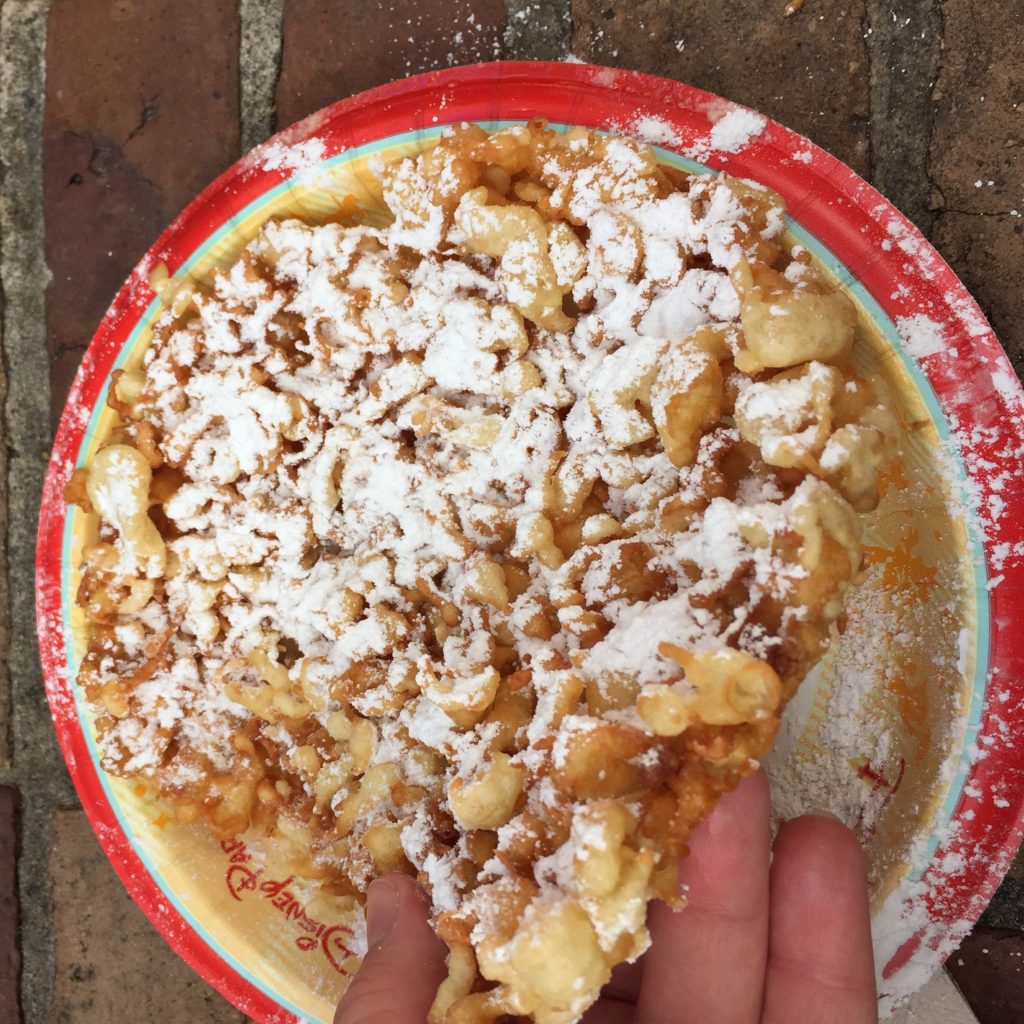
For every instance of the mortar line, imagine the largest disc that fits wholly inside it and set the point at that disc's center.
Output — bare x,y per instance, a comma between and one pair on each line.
904,53
867,34
6,697
38,769
259,67
939,208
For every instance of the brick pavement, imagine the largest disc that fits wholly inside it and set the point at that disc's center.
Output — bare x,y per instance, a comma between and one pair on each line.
976,166
110,966
989,970
327,51
701,48
9,954
123,155
145,102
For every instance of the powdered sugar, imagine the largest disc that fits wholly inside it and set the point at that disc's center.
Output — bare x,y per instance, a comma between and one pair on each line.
737,130
375,442
921,336
655,130
297,157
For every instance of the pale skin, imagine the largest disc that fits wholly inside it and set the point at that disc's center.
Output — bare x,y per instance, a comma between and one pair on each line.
772,934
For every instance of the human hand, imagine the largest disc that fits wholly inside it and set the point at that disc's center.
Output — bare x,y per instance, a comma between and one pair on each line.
767,938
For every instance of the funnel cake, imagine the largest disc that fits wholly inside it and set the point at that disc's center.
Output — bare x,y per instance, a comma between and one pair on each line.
486,543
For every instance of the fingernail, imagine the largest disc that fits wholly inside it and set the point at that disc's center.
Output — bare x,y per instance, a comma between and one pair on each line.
820,812
381,910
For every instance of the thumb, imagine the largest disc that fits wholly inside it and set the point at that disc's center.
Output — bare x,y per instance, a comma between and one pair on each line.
405,964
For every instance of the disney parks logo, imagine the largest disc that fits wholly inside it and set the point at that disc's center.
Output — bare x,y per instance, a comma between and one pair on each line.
243,875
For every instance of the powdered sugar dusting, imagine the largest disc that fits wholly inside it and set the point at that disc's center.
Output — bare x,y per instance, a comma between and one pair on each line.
1005,553
299,156
921,336
737,130
373,442
655,130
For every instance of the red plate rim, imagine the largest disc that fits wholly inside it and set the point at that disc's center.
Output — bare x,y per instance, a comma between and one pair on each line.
973,380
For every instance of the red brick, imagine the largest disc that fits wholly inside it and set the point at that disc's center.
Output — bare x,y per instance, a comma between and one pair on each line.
978,133
989,969
334,48
810,72
9,959
1017,867
985,251
110,965
141,113
976,166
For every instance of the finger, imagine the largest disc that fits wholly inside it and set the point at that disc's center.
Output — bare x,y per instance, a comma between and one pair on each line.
710,956
399,977
820,964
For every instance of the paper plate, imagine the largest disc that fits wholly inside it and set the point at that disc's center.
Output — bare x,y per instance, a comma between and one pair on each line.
906,729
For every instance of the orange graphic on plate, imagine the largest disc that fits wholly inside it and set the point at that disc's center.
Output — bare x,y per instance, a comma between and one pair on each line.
893,477
349,208
911,693
904,573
